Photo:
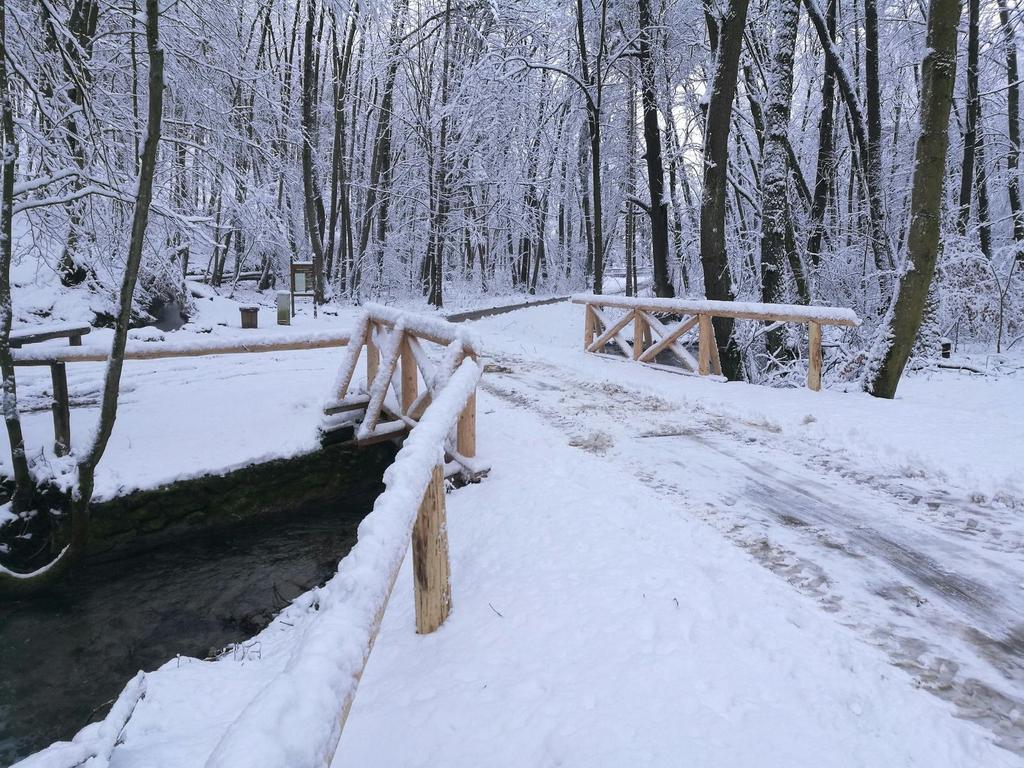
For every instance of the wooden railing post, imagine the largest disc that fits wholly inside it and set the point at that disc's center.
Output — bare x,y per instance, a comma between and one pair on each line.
430,558
588,327
814,356
61,410
465,438
409,376
706,340
372,357
640,334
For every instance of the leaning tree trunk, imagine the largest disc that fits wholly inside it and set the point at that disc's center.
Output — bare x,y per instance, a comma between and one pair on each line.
825,165
871,184
938,74
873,105
24,486
655,167
970,119
1013,129
713,255
310,185
11,583
775,223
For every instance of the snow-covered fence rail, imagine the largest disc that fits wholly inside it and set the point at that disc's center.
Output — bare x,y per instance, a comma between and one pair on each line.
57,360
296,721
600,329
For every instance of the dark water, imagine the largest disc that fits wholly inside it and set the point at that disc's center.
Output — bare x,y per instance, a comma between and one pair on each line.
169,316
65,657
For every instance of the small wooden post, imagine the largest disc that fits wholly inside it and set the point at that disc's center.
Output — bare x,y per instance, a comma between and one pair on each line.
705,341
410,379
430,565
814,356
61,410
372,358
465,438
640,334
588,327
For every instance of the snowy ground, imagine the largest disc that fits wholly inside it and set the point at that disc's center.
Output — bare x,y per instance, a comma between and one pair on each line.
660,570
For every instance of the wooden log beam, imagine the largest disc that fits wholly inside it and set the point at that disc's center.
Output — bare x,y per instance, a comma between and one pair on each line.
372,357
790,313
61,410
431,568
706,341
814,356
640,334
668,341
613,331
465,440
137,350
410,376
589,323
73,332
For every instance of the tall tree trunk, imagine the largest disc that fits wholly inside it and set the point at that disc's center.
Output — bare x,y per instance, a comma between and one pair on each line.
630,186
713,256
938,73
873,104
74,51
24,486
655,167
981,194
970,119
871,185
1013,129
593,99
376,205
310,184
775,223
825,166
14,584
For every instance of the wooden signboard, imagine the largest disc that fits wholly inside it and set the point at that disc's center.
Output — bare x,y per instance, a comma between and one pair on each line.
301,281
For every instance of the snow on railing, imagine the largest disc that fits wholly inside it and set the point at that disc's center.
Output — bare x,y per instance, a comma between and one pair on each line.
741,310
297,719
155,350
57,359
93,745
697,314
392,402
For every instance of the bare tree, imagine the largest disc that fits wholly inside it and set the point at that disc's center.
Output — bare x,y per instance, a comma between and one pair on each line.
714,259
938,73
86,464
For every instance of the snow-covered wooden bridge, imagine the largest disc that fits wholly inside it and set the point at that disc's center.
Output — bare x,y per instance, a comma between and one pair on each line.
656,571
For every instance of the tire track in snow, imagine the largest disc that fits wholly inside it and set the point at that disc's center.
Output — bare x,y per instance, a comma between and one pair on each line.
904,592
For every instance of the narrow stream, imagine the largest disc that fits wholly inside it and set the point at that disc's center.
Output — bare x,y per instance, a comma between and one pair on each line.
65,657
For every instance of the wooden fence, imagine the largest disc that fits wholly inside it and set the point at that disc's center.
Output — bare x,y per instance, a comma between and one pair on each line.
296,720
651,336
58,358
402,380
410,509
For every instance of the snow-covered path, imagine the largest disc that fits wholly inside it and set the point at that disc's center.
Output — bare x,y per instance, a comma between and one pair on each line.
936,583
663,571
600,621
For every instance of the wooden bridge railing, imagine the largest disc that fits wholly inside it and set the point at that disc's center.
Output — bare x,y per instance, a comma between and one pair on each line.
397,364
600,329
57,360
307,703
296,720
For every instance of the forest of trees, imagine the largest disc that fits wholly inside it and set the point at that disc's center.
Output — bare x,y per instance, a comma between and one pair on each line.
760,151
